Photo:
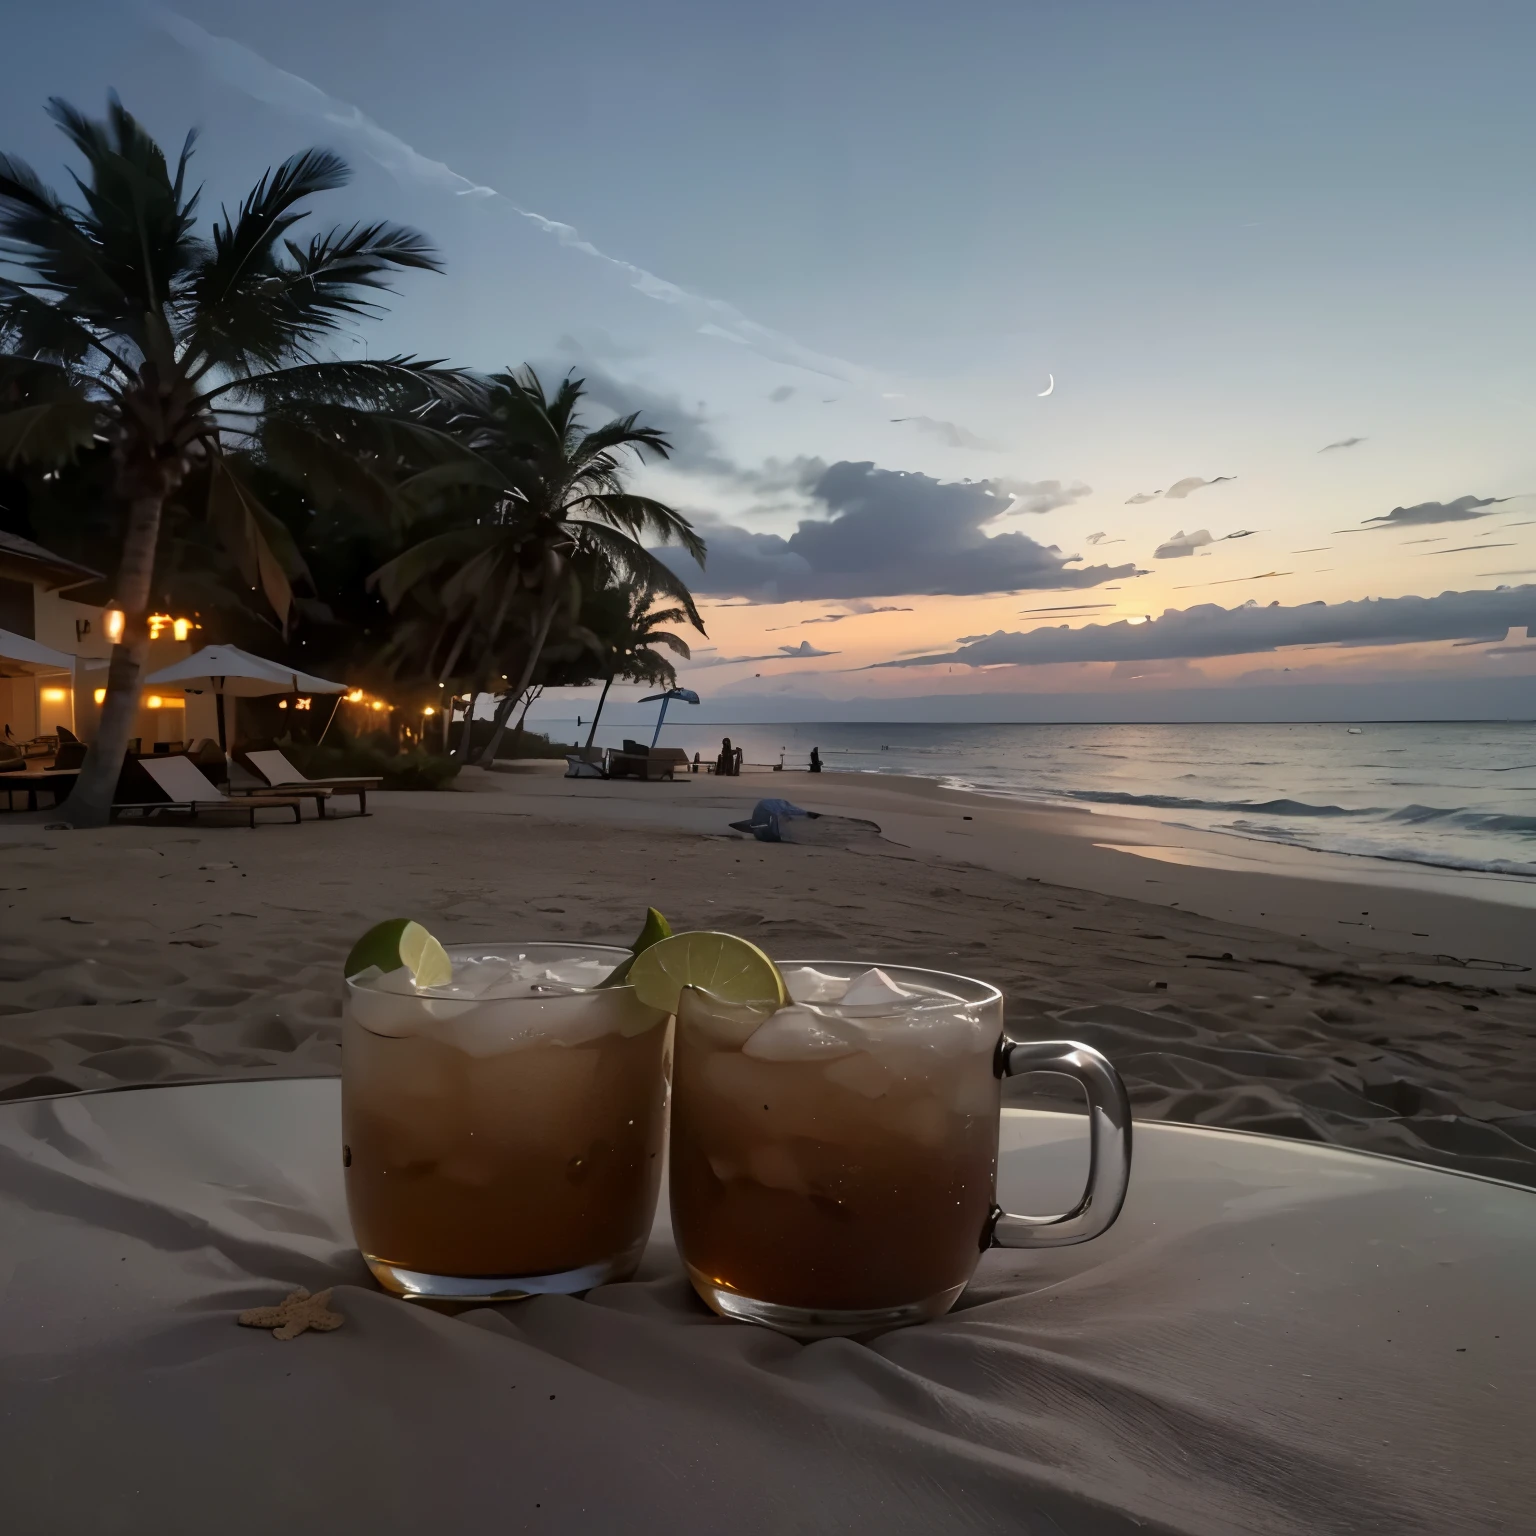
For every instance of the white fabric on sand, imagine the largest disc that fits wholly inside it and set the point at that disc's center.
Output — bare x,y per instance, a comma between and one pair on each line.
1276,1338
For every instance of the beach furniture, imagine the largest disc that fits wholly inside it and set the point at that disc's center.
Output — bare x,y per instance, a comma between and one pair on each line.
58,783
1276,1336
283,778
585,763
229,673
185,788
637,761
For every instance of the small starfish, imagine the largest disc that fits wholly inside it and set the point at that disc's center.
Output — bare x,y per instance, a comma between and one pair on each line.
294,1314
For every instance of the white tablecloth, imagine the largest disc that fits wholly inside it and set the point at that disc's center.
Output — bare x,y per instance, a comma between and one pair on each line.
1276,1337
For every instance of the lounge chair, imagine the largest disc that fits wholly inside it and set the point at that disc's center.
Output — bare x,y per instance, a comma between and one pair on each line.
185,788
284,778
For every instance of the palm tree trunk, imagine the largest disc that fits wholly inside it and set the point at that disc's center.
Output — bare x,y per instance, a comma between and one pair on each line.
602,699
509,700
467,734
90,802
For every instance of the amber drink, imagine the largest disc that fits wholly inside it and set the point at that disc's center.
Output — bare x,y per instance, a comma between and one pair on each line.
834,1161
503,1133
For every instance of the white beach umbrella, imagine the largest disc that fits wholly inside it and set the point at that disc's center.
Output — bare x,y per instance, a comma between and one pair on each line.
230,673
20,657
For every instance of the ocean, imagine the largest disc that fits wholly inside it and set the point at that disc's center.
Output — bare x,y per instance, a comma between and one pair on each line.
1456,795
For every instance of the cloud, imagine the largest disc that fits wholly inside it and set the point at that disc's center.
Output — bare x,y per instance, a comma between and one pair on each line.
1178,490
694,445
1068,608
1037,496
1209,630
949,432
858,612
802,652
1232,581
887,533
1343,442
1462,510
1182,488
262,80
781,394
1182,544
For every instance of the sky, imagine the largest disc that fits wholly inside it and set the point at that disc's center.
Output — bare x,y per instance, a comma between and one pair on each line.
1021,359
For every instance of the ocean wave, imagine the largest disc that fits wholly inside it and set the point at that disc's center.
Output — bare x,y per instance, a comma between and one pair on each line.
1464,817
1180,803
1397,853
1461,816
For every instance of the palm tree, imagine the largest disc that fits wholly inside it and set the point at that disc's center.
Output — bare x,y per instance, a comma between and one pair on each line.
630,640
553,490
121,326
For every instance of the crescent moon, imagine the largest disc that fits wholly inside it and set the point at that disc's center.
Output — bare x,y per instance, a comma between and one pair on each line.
1048,388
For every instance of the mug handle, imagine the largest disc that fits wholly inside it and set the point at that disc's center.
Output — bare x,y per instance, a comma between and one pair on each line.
1109,1144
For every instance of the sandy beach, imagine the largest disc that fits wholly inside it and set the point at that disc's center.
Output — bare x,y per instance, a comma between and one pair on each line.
1233,984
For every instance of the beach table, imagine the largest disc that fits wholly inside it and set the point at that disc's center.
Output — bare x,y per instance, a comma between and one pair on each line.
57,781
1277,1337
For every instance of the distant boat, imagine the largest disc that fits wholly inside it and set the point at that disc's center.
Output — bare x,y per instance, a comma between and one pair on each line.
1355,730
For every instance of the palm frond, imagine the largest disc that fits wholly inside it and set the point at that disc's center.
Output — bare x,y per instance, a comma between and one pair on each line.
623,432
427,560
327,470
635,562
50,433
638,515
243,245
261,543
137,224
264,311
384,383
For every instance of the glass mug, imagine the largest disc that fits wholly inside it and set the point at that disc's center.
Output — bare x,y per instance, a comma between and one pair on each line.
502,1136
834,1162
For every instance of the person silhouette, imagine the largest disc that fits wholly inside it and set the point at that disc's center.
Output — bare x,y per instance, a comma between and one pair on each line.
815,759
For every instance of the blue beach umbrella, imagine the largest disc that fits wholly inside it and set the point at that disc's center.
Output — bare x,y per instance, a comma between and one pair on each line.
687,695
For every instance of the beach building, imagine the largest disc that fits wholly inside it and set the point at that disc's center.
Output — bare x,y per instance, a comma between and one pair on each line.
56,632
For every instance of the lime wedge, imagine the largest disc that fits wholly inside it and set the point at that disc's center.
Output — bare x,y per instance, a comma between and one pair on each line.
400,942
718,963
655,930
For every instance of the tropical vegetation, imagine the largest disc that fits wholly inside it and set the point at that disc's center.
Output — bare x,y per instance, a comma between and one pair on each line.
174,410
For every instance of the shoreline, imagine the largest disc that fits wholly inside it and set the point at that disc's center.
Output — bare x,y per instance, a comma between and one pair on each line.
1272,997
1522,887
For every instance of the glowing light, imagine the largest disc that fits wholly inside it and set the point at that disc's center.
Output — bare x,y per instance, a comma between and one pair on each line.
429,710
154,701
100,695
379,704
355,697
301,703
181,628
112,621
54,695
282,703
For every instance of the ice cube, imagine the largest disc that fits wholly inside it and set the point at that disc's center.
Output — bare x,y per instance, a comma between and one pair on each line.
808,985
796,1034
860,1073
772,1164
925,1121
874,989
